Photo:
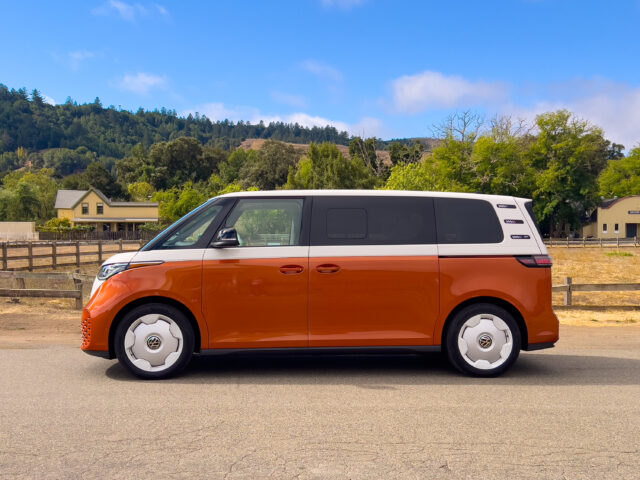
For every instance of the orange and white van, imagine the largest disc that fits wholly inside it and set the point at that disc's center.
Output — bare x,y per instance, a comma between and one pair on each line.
330,270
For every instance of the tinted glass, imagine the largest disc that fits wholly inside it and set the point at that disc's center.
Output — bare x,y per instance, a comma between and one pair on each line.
465,220
372,221
188,234
267,222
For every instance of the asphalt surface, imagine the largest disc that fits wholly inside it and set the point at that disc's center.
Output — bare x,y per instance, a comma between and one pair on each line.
569,413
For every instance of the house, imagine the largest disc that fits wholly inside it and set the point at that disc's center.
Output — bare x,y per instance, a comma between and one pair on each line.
92,207
618,217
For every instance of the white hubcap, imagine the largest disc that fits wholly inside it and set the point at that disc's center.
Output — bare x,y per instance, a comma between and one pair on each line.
153,342
485,341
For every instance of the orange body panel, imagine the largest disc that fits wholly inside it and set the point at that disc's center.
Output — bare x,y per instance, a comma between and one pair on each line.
180,281
373,301
528,289
251,303
368,301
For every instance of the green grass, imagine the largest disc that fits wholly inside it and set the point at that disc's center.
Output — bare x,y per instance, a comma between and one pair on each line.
619,254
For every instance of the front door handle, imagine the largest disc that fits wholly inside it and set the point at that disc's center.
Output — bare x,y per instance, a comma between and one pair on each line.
291,269
327,268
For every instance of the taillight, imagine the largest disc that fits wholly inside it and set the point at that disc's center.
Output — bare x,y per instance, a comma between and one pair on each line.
535,261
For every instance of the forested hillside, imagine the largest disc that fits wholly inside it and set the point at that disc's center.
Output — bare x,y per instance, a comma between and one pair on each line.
29,122
564,163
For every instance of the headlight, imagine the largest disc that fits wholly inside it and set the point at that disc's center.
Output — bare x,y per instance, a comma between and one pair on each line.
108,271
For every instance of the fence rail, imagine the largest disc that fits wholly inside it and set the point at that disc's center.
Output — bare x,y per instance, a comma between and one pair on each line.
592,242
47,254
77,292
569,287
96,235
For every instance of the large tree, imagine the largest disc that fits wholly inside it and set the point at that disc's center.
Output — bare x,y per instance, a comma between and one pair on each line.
569,154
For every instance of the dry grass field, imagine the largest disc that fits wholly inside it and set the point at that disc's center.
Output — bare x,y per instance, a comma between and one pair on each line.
597,265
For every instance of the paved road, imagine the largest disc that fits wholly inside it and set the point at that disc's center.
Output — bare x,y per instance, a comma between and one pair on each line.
572,412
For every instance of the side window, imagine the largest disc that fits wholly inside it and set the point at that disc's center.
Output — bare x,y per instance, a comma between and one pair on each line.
100,209
266,222
85,209
188,234
466,220
383,220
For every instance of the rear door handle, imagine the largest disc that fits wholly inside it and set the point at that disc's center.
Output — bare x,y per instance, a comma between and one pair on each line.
291,269
327,268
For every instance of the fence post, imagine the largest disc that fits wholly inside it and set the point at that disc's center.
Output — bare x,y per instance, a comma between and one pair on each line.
30,250
54,254
567,294
79,299
100,252
120,241
635,241
78,253
567,241
600,242
5,260
141,243
584,242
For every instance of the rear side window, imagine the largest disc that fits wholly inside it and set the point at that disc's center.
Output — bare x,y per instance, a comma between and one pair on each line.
529,206
372,221
466,220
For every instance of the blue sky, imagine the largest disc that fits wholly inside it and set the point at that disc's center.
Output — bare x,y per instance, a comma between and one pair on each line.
373,67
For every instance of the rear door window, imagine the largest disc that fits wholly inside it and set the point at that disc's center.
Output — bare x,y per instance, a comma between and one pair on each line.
360,220
466,220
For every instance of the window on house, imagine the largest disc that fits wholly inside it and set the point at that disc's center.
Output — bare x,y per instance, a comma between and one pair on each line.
604,228
615,227
85,209
100,209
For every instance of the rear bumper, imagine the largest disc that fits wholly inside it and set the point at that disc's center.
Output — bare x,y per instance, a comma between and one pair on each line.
539,346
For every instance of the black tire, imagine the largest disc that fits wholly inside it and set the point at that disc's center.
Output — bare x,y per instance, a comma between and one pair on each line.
167,312
461,360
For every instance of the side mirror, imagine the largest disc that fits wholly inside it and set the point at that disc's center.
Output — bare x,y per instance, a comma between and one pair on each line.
227,237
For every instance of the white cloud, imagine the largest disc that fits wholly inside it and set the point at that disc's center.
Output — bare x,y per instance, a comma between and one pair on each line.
289,99
129,11
219,111
433,90
611,106
343,4
77,57
141,83
323,70
48,99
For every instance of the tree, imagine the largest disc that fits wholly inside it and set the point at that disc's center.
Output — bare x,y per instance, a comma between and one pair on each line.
100,178
28,196
140,191
621,177
569,155
326,167
269,169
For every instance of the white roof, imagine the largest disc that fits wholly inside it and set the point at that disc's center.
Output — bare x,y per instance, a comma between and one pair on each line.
68,198
375,193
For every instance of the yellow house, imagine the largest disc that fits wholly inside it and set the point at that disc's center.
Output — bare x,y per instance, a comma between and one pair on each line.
618,217
93,208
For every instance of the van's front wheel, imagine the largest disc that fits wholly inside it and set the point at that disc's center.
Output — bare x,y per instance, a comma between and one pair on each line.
154,341
483,340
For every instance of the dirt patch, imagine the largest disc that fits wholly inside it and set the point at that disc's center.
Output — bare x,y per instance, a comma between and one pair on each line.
29,326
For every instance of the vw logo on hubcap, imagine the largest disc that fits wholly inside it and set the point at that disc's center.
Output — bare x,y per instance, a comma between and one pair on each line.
485,340
153,342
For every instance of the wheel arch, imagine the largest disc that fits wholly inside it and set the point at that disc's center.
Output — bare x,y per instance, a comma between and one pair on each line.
154,299
499,302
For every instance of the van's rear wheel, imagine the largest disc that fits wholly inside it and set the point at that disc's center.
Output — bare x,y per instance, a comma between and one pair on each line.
154,341
483,340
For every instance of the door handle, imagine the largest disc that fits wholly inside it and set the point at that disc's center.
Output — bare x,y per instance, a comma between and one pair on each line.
291,269
327,268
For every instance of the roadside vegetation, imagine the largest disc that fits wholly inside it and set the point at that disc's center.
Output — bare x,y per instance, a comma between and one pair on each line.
565,164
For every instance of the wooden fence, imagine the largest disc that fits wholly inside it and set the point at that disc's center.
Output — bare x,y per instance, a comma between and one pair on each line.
592,242
569,287
20,278
44,254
